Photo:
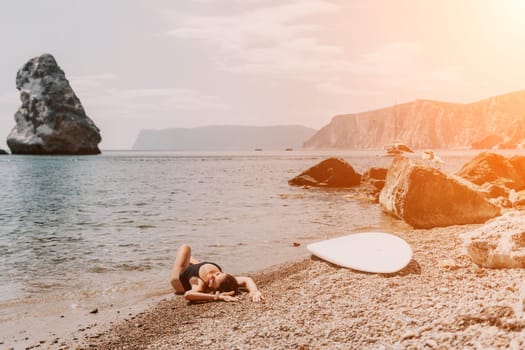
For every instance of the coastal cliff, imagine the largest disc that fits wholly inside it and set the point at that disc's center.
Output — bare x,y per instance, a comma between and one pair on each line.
496,122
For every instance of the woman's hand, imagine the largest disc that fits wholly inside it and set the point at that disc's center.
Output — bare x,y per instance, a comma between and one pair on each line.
249,284
256,296
227,296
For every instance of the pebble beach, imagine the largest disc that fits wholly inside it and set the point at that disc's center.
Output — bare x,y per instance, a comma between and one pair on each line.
441,300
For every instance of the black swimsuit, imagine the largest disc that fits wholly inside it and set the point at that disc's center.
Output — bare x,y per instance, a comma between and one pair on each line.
193,271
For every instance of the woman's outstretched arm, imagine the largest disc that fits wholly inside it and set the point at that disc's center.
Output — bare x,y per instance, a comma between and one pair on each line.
199,292
193,295
249,284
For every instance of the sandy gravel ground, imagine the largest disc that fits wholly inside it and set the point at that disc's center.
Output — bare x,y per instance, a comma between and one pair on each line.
439,301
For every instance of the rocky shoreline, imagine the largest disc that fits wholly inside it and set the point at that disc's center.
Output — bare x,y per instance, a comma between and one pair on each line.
441,300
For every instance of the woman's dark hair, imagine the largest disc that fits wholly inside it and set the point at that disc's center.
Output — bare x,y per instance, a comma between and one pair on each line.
229,284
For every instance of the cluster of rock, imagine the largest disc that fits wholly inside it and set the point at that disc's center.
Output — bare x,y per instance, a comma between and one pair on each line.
51,119
331,172
426,197
501,178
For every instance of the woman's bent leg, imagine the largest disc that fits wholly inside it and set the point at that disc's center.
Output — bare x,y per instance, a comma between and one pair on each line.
182,260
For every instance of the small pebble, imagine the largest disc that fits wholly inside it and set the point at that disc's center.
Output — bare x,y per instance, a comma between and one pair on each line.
431,343
408,335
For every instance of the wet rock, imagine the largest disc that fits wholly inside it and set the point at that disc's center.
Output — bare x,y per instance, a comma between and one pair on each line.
499,243
501,202
425,197
331,172
517,199
375,177
518,162
497,194
495,190
51,119
494,168
372,182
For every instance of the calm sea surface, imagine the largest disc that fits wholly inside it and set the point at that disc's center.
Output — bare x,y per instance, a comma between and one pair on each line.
77,230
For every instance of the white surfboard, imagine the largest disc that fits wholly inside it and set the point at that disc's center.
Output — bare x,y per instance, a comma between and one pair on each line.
375,252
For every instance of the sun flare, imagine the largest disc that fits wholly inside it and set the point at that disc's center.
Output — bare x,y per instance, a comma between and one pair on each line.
514,10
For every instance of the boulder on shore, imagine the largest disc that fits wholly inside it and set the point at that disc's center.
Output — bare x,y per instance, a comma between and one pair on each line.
331,172
374,177
425,197
51,119
3,152
499,243
517,199
494,168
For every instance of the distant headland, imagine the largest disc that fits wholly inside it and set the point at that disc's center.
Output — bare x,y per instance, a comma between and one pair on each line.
493,123
224,138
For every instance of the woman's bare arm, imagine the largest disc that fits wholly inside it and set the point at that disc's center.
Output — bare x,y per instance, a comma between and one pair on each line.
194,295
249,284
199,292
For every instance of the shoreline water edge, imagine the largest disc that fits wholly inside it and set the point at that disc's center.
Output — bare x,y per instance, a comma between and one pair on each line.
440,300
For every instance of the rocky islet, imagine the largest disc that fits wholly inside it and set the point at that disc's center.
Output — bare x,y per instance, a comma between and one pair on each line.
51,119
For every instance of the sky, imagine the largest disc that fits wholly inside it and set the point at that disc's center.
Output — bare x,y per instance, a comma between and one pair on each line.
148,64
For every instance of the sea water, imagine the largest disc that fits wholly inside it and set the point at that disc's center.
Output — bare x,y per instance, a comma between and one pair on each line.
80,231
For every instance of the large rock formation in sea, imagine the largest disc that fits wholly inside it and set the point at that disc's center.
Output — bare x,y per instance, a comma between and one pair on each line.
496,122
51,119
425,197
331,172
224,138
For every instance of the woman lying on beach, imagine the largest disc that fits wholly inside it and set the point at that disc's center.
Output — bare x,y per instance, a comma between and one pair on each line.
205,281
